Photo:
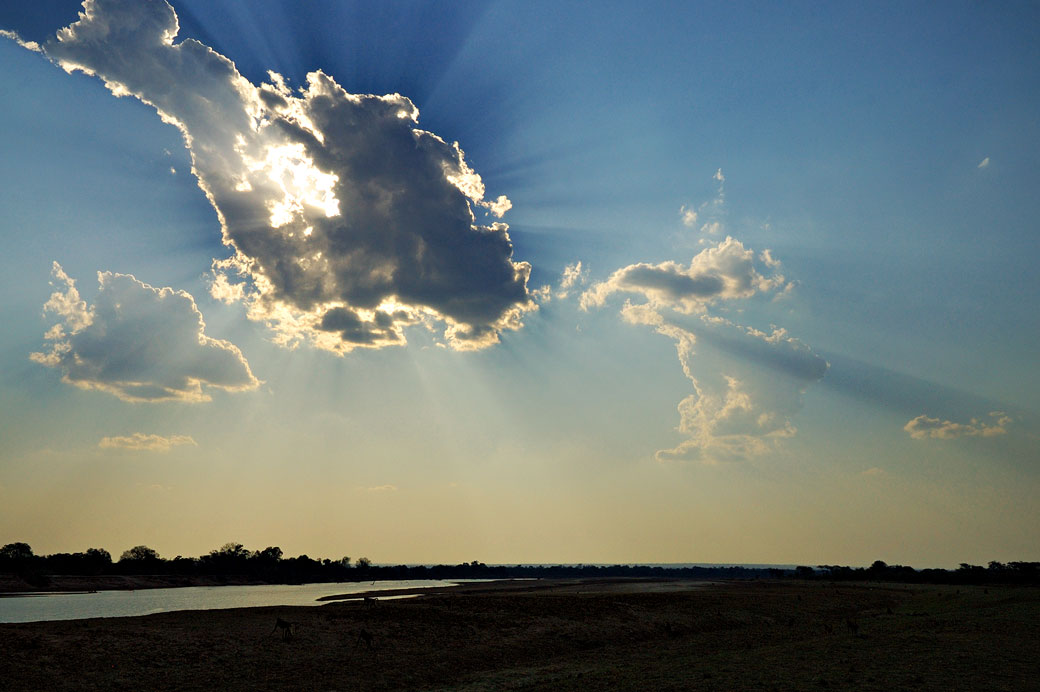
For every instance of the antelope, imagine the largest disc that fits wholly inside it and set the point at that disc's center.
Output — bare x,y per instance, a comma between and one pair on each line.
288,629
364,636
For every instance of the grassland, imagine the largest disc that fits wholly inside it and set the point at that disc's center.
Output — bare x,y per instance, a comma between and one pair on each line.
573,636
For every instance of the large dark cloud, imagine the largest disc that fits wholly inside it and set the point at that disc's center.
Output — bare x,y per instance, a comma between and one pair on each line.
338,207
139,343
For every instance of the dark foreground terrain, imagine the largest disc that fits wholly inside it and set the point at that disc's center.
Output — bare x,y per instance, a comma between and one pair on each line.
577,636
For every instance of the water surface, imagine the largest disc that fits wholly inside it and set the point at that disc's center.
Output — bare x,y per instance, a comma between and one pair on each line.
105,604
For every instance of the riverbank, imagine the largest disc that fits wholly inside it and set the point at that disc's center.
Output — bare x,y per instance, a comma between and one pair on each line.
749,635
518,586
12,585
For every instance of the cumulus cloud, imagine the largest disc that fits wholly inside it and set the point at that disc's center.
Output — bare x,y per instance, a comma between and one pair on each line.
924,427
745,406
724,271
146,443
747,391
138,343
347,222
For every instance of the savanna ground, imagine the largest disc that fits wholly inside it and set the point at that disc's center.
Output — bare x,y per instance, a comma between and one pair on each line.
572,636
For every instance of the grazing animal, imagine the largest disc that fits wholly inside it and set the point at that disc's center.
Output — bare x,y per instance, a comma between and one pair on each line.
364,636
288,629
371,601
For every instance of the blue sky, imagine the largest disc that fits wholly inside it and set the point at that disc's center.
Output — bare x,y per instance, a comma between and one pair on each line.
803,327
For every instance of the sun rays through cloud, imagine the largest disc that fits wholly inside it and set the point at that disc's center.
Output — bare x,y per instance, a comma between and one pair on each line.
663,282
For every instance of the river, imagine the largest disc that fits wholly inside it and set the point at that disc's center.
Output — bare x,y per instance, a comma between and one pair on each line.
106,604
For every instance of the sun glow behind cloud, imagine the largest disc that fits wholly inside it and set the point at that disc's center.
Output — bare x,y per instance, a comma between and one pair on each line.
365,210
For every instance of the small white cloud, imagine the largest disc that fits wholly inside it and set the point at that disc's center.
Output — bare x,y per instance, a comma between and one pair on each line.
498,207
573,275
984,163
688,215
223,290
924,427
28,45
146,443
874,472
138,343
767,259
709,214
382,488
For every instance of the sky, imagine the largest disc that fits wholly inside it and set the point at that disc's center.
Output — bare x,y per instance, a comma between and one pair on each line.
522,282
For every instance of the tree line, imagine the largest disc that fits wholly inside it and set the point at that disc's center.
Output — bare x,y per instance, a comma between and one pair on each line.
271,566
994,573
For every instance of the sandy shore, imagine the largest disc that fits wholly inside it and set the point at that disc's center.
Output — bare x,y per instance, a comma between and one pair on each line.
568,636
561,586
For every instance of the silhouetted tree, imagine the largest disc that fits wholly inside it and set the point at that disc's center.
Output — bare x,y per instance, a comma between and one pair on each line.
184,566
230,558
15,553
139,560
141,553
270,554
1025,572
19,558
98,560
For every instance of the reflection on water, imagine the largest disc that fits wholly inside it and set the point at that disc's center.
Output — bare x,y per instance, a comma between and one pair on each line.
105,604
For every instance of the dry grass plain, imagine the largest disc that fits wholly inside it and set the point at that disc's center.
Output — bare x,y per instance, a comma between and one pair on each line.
578,636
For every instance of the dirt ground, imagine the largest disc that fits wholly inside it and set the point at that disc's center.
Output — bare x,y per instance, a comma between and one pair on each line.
576,636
